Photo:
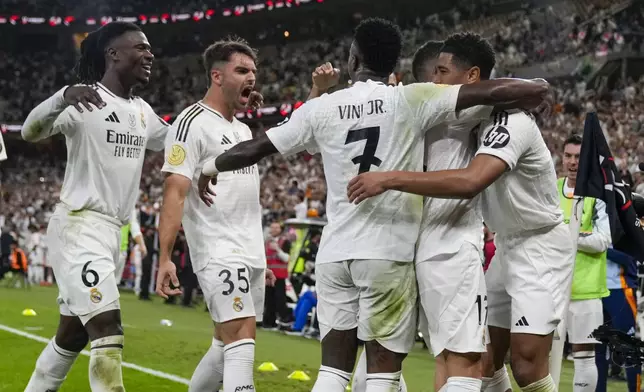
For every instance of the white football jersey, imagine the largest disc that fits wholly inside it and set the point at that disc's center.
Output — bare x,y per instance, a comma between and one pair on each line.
525,197
105,153
447,223
368,127
232,226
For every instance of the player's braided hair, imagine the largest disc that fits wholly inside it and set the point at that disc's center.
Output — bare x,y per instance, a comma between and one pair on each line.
91,64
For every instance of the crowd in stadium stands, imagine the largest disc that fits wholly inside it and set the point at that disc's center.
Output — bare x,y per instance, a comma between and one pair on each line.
30,187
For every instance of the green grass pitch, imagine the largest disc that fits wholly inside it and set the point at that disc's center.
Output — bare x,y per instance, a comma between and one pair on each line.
175,350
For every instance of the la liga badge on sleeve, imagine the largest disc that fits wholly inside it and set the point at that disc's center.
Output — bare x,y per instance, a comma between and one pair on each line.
177,155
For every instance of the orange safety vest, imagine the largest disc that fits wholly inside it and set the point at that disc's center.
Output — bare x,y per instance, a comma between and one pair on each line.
18,260
273,262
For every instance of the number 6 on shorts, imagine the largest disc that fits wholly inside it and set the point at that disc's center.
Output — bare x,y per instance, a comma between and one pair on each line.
241,277
93,276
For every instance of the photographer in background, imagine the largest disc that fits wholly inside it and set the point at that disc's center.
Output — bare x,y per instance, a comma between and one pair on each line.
620,307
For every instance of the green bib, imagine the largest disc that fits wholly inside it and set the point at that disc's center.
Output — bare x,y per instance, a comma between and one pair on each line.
125,237
589,278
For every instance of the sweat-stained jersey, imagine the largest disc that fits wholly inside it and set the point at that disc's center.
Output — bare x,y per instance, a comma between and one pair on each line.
368,127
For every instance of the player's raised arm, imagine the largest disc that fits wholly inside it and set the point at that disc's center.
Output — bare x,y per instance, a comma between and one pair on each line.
324,78
40,123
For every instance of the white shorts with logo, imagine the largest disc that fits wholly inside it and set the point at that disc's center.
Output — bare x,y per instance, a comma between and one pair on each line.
232,288
584,316
453,297
378,297
84,248
529,280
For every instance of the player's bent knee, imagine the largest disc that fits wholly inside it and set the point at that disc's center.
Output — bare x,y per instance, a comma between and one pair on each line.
233,330
381,359
71,334
103,322
463,364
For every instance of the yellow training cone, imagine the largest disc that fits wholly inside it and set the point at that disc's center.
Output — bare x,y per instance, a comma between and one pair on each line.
28,312
299,376
267,367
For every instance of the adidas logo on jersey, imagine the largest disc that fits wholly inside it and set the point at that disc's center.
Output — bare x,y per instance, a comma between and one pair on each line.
591,336
225,140
522,322
113,118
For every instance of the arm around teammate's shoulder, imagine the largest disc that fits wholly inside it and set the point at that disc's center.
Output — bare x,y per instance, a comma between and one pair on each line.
446,184
506,93
45,119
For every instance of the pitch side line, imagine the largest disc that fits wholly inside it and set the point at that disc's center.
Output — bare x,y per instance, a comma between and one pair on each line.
141,369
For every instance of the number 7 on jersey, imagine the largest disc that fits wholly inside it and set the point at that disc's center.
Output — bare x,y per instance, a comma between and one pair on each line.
368,157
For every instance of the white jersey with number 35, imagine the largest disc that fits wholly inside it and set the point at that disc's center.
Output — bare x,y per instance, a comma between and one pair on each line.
368,127
525,197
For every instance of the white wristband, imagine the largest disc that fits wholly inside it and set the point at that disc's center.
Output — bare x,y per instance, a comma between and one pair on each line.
209,168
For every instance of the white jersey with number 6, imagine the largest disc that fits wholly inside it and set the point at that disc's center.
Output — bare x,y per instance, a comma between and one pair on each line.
368,127
525,197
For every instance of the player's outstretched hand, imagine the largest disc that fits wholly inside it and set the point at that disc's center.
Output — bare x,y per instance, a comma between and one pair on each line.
270,278
255,100
166,276
144,250
366,185
85,95
205,191
325,76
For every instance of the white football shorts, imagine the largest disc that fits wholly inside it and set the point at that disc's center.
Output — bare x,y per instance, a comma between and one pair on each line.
529,280
378,297
584,316
454,299
233,289
84,248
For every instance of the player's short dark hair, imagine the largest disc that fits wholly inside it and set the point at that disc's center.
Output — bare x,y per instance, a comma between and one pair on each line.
380,43
573,139
427,51
221,51
91,64
471,50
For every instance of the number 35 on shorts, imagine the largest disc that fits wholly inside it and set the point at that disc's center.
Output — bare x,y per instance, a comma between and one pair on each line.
236,279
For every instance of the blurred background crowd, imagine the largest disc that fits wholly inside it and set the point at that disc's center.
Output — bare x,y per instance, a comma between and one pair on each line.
590,51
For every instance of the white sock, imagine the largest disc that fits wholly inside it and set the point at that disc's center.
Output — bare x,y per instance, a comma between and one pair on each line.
52,367
105,373
383,382
239,358
546,384
462,384
585,379
331,380
359,383
500,382
209,374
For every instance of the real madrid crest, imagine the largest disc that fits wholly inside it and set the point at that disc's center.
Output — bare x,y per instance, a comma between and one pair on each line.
237,138
143,124
238,305
132,120
95,295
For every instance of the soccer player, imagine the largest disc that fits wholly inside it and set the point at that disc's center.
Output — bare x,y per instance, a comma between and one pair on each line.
514,173
589,283
369,126
107,130
225,238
